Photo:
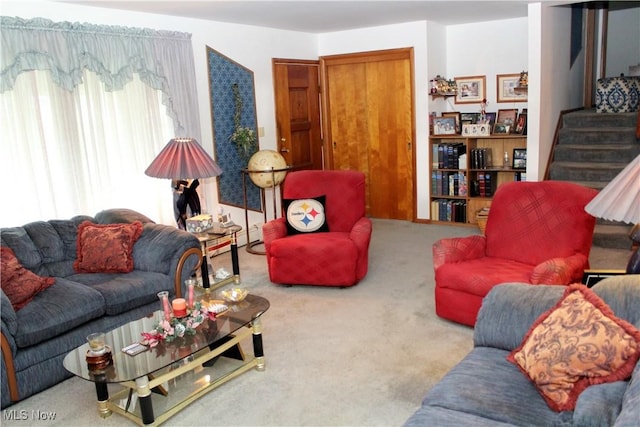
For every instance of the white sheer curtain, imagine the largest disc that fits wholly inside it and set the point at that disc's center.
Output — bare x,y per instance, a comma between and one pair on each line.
65,153
84,109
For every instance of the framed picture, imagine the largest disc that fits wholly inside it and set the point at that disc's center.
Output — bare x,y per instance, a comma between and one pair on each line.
471,90
507,117
521,124
507,85
501,128
444,126
591,277
469,129
490,119
471,118
456,116
519,158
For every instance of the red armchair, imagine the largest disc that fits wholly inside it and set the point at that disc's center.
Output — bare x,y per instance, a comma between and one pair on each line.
339,257
537,232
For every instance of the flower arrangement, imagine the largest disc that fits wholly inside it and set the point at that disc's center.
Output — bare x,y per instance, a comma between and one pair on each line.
178,327
244,138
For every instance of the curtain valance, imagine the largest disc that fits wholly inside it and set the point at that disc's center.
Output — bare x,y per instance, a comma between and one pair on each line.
163,60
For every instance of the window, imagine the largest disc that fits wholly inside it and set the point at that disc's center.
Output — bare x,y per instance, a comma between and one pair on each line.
67,153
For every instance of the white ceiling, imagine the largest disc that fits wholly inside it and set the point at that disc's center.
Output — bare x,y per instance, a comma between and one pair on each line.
322,16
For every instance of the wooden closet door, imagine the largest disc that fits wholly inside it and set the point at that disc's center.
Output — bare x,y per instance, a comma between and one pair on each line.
370,126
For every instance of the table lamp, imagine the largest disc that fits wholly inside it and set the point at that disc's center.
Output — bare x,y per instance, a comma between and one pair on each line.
183,159
620,201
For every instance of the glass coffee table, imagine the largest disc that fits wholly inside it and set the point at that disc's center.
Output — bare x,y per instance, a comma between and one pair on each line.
158,383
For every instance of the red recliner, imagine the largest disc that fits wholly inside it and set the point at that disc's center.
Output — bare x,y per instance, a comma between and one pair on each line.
339,257
537,232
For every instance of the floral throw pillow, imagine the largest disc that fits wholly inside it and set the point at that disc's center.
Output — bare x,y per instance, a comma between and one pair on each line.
106,248
577,343
19,284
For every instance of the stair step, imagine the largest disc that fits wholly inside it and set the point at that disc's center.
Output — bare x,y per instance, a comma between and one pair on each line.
589,118
596,136
584,171
612,236
608,153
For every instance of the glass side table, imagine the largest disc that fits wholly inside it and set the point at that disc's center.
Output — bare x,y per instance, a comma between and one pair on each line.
217,238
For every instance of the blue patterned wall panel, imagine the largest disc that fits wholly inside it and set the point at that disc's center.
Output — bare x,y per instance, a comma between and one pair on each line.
223,73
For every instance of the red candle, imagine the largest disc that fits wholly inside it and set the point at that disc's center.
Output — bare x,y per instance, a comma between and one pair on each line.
179,307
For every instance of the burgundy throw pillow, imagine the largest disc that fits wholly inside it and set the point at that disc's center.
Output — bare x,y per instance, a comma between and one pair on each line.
19,284
106,248
577,343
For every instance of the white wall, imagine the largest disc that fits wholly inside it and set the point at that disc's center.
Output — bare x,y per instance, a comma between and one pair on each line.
549,50
623,41
487,49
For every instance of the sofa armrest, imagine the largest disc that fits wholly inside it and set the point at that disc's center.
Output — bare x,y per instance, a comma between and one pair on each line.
560,271
458,249
185,269
8,314
9,349
161,249
361,234
509,310
272,230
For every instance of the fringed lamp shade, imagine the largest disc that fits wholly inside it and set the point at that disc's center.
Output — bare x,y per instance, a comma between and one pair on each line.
183,158
620,201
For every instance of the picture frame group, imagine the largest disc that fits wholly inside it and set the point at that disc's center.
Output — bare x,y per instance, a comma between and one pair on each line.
503,122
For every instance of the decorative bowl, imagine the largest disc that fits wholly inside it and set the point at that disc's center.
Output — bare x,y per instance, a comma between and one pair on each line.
233,294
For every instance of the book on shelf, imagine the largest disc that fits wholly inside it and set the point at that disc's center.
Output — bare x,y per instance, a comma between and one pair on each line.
520,176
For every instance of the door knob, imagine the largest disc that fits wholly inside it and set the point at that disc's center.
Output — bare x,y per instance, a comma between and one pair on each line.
284,150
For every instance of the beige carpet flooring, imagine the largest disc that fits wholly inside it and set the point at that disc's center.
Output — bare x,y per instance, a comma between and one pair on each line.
360,356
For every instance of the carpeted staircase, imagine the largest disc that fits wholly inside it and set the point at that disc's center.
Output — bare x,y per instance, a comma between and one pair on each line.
592,148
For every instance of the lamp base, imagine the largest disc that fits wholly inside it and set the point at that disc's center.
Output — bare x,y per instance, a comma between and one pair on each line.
633,267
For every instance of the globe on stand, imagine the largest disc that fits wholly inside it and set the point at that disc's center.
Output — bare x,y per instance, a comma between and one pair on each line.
261,165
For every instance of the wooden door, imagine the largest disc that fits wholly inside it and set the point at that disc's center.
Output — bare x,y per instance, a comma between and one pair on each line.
296,87
370,127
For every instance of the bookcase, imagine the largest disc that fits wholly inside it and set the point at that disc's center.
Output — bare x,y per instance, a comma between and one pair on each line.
466,171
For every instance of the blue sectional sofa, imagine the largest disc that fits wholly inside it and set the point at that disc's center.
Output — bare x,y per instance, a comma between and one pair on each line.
37,337
484,389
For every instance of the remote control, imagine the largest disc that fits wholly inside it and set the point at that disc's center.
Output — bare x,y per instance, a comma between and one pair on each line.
135,348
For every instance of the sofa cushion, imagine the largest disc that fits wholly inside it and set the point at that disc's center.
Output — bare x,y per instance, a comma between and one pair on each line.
8,314
577,343
305,215
124,292
22,246
630,413
106,248
57,310
18,283
599,405
332,258
485,385
479,276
